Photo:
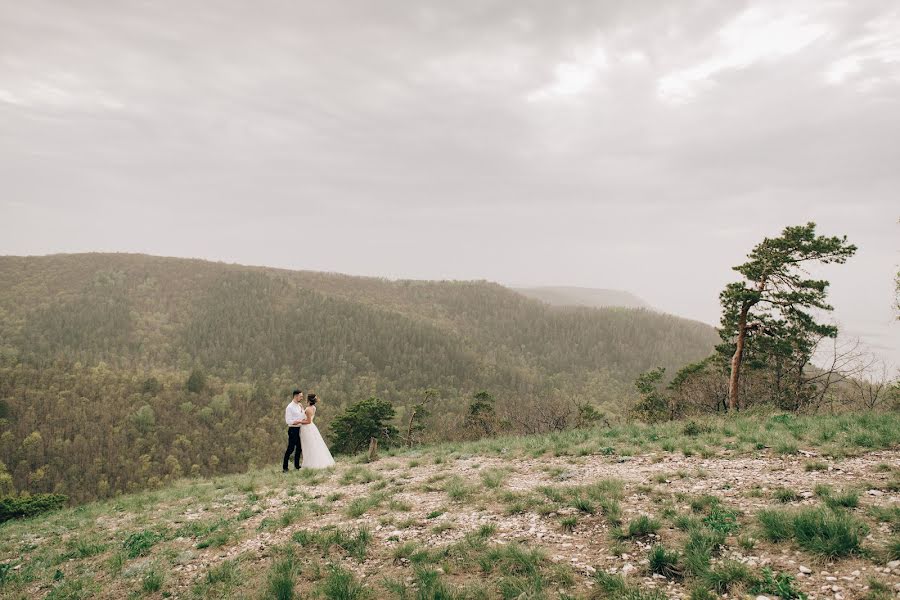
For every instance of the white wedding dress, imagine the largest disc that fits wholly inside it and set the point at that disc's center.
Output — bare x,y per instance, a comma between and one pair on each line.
315,452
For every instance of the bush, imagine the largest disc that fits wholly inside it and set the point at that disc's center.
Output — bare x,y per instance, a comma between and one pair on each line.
692,429
16,507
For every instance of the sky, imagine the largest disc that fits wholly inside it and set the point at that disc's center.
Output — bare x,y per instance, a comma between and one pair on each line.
633,144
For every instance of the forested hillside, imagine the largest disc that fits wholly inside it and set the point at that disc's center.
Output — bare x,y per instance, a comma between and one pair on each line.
96,351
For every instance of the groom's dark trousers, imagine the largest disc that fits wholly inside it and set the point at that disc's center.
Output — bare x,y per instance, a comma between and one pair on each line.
293,444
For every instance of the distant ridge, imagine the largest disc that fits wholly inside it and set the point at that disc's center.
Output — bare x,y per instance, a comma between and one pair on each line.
580,296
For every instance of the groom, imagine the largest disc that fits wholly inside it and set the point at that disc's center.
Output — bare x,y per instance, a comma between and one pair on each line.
294,417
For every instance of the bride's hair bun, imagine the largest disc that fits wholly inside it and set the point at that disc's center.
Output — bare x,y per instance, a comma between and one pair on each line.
312,399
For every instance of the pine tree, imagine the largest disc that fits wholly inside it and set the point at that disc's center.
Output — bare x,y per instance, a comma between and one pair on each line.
773,303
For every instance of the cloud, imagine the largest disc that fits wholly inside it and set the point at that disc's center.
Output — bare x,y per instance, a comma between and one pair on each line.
638,145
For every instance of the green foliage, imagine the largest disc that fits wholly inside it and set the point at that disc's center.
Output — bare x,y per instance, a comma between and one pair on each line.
361,421
16,507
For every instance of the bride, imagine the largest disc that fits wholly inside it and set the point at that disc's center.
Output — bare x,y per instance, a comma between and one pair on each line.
315,453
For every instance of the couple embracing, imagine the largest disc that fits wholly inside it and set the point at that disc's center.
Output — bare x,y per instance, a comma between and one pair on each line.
304,438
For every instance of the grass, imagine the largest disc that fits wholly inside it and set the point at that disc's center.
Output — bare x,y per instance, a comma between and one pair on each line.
152,581
354,543
341,584
846,499
665,562
140,543
727,576
785,495
614,587
701,545
642,526
827,533
282,578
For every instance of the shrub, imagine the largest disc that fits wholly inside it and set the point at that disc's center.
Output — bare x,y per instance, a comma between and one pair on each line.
692,429
16,507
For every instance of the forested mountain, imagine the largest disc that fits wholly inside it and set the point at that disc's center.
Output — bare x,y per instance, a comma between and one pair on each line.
96,351
580,296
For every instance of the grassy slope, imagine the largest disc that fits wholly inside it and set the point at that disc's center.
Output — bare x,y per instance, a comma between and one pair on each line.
544,516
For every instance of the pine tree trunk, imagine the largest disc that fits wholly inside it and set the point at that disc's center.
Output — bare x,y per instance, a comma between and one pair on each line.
734,401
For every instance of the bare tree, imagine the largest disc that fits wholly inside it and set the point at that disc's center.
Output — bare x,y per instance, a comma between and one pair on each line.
871,387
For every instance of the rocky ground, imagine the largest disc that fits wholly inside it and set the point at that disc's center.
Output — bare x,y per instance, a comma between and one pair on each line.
431,502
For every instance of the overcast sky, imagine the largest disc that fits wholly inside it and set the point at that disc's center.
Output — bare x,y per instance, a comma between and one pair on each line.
638,145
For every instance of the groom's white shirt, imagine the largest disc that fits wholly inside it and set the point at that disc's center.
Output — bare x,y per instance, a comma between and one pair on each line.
293,412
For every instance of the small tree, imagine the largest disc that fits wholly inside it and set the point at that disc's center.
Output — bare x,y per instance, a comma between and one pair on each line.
418,412
366,419
482,415
196,382
774,300
653,405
